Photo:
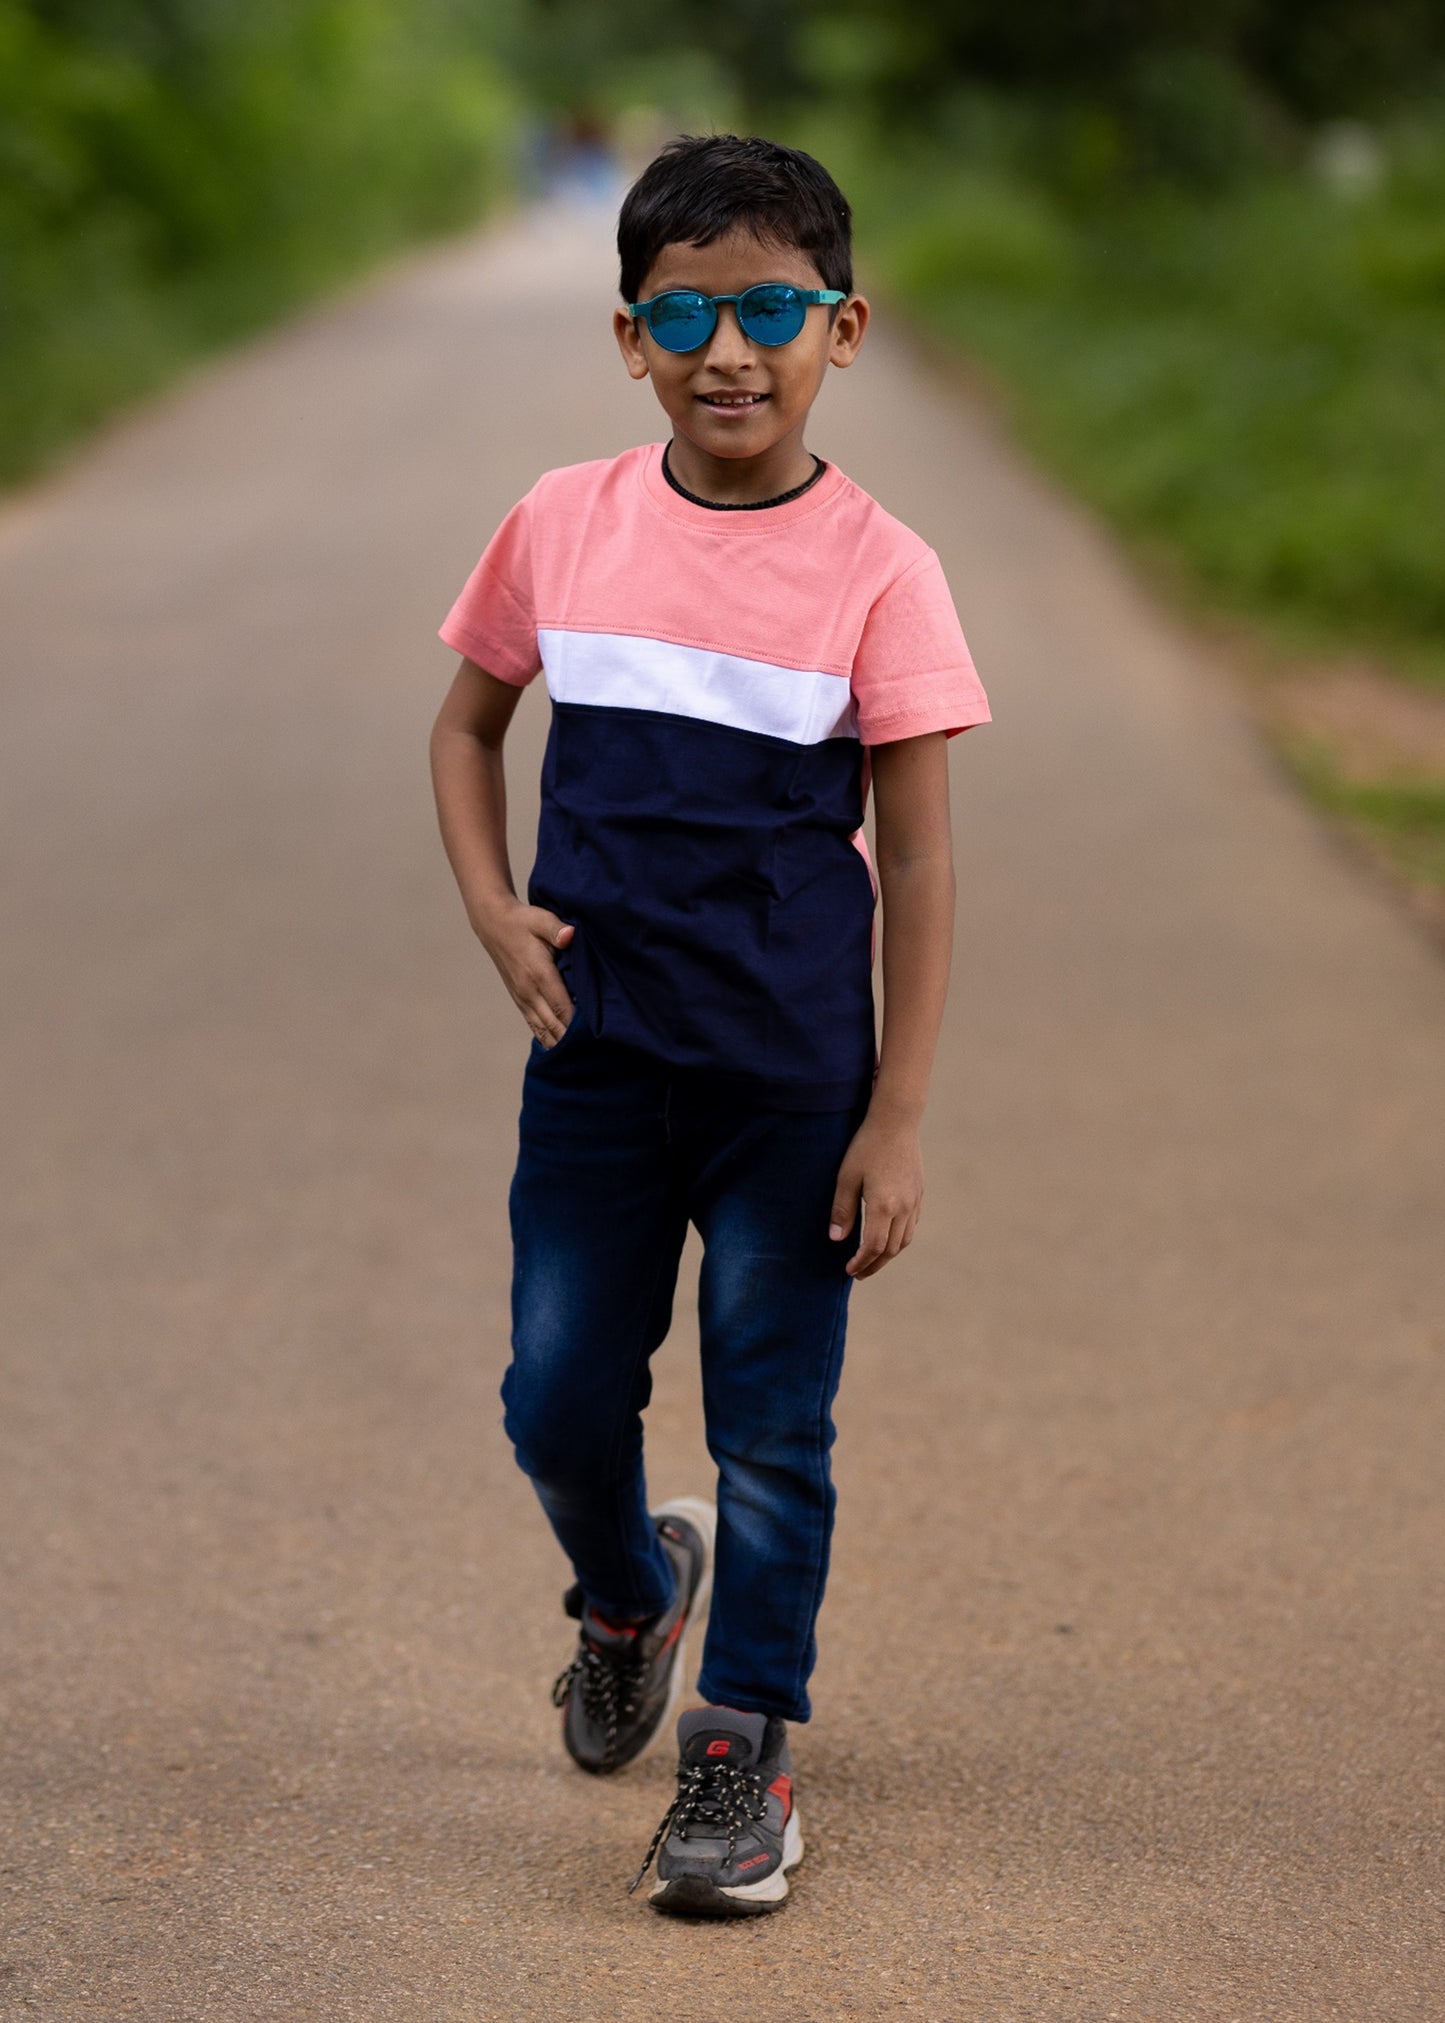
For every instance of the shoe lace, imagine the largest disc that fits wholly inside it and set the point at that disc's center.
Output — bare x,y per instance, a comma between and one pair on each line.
610,1688
716,1797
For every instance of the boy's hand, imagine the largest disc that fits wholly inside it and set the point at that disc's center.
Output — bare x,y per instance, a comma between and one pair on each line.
884,1167
519,939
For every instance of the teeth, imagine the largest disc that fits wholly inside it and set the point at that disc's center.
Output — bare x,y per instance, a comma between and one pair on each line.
746,400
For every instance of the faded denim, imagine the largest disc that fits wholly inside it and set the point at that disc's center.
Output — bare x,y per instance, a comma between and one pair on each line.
617,1152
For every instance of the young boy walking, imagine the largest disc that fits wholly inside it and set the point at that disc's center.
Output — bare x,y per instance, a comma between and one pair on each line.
738,642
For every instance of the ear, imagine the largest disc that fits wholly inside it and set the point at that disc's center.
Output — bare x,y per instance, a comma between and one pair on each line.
848,328
628,332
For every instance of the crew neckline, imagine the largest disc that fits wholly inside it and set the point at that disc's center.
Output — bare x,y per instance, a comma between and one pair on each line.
677,506
814,476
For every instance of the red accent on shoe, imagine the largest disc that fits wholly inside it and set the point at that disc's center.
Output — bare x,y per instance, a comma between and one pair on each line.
752,1861
782,1787
615,1629
673,1634
718,1748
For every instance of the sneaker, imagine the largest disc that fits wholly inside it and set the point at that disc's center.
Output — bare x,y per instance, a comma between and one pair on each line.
624,1684
725,1844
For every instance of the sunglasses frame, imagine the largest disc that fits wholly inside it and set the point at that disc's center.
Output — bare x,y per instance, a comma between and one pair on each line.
806,295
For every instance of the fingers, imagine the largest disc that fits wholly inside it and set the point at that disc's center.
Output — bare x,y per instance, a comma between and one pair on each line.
846,1193
884,1236
547,1021
547,1007
557,933
887,1227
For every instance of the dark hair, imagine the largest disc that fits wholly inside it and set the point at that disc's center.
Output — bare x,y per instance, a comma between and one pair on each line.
702,185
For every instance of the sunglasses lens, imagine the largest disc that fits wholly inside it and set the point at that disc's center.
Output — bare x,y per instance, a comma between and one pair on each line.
772,313
681,321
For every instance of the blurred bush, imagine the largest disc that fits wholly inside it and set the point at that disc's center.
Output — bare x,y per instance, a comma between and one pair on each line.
1217,65
1197,120
1244,369
975,230
173,174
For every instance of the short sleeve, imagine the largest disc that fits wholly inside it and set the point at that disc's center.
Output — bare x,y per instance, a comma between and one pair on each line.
494,621
913,671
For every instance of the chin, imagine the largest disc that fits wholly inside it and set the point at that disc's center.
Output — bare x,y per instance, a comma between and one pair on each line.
725,442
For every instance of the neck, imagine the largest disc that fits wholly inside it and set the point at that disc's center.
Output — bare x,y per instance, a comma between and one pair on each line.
739,480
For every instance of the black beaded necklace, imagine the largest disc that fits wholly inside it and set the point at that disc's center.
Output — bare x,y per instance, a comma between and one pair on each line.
743,505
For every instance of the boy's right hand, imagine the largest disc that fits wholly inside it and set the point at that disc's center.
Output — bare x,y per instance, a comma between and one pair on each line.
519,939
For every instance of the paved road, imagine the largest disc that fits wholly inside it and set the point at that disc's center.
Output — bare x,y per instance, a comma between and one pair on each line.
1129,1703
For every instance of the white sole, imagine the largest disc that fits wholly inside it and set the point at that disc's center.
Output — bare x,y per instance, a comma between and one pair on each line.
696,1897
703,1517
772,1889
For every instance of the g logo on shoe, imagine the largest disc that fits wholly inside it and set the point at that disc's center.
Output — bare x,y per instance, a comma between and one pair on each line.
719,1748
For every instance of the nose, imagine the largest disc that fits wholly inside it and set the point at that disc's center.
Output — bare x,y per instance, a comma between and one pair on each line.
729,346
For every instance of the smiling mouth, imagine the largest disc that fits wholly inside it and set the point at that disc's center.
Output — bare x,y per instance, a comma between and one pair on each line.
746,400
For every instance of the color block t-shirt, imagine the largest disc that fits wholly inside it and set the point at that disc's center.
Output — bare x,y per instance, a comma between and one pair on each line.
716,681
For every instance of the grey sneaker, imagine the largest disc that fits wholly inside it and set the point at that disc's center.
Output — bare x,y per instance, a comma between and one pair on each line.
725,1844
623,1686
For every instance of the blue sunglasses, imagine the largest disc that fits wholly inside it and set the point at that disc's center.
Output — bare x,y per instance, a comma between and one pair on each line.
772,312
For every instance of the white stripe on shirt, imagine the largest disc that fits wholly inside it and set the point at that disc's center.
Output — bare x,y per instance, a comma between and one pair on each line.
619,670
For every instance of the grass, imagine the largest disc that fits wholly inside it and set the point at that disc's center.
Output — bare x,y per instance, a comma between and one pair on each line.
1402,821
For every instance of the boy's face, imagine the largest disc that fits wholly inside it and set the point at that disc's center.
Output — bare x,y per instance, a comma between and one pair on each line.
783,379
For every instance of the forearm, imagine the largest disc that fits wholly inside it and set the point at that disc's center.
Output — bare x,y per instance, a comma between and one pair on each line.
918,895
471,797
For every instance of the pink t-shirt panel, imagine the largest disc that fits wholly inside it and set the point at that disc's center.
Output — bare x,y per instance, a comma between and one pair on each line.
829,584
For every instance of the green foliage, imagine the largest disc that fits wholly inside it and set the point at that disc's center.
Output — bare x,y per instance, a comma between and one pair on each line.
1403,819
174,174
1252,383
1212,61
980,231
1194,119
570,55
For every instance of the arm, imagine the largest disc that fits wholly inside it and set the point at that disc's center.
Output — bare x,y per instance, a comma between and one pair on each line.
471,797
883,1165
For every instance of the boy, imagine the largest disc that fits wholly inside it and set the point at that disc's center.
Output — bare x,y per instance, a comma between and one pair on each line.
737,642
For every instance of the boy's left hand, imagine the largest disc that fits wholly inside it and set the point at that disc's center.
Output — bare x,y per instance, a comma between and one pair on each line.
883,1167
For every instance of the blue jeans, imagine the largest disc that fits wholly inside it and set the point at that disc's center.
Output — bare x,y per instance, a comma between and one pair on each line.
617,1153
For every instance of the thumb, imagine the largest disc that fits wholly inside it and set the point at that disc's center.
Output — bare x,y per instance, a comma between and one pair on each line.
845,1203
565,929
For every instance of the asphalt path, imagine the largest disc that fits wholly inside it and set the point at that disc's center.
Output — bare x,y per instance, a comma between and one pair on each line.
1129,1702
